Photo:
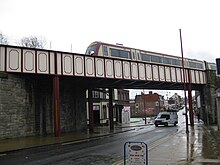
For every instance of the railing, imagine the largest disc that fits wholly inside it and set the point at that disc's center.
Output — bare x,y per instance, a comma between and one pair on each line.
39,61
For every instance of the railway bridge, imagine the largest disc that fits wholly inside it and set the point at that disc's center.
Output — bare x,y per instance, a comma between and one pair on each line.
45,90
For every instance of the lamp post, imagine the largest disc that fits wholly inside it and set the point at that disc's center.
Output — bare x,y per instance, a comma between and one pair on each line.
184,81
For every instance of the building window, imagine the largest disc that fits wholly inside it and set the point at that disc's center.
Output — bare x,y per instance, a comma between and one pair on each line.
104,112
96,94
96,107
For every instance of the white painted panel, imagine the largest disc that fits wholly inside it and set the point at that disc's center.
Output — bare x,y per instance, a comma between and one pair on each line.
155,73
2,58
148,72
134,71
42,62
78,65
197,77
178,74
192,73
89,66
13,60
109,71
173,74
126,69
167,72
58,56
52,66
118,68
67,64
29,61
141,71
99,63
162,71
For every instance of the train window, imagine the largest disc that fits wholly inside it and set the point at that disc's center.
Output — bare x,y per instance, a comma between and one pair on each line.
213,67
166,60
156,59
105,51
199,66
125,54
115,53
146,57
192,64
120,53
133,55
176,62
138,56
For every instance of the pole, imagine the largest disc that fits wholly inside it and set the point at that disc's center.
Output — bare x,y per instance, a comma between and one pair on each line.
91,115
111,117
184,81
191,115
56,106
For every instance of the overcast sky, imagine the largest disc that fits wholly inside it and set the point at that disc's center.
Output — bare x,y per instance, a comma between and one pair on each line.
145,24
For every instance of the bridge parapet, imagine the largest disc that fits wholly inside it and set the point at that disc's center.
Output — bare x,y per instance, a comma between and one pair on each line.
40,61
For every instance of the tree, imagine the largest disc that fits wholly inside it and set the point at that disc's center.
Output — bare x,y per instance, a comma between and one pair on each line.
3,39
33,42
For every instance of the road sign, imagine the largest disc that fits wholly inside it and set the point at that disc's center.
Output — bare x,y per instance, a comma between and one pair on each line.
135,153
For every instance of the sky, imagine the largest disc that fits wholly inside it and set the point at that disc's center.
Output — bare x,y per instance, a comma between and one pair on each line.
153,25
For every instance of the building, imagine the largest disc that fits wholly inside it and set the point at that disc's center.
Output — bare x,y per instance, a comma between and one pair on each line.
174,102
147,105
100,98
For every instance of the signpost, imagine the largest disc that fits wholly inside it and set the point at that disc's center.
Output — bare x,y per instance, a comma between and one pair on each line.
135,153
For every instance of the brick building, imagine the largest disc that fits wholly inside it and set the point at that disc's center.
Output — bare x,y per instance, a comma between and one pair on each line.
147,105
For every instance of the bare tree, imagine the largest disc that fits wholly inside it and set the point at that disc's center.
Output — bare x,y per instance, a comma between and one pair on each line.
3,39
33,42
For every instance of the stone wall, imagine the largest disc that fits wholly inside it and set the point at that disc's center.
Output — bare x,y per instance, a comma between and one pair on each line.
209,102
73,106
26,105
16,106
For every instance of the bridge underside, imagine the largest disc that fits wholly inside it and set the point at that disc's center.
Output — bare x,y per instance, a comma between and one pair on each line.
128,84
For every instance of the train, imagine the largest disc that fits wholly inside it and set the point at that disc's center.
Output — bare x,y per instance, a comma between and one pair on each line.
119,51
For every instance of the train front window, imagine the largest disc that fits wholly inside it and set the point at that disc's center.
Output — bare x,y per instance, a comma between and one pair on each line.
91,49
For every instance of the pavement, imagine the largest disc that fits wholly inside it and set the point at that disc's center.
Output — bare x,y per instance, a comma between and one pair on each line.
201,146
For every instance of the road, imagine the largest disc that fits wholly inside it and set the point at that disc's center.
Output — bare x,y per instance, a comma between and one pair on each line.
103,151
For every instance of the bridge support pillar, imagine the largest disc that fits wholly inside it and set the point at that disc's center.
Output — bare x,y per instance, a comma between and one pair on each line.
56,106
110,110
91,115
191,113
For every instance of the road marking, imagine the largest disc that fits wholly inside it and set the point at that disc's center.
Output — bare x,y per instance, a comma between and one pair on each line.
3,155
119,162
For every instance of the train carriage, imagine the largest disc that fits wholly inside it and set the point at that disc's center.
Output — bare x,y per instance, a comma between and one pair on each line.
119,51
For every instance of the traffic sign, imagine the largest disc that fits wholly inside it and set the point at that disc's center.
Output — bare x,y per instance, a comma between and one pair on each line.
135,153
